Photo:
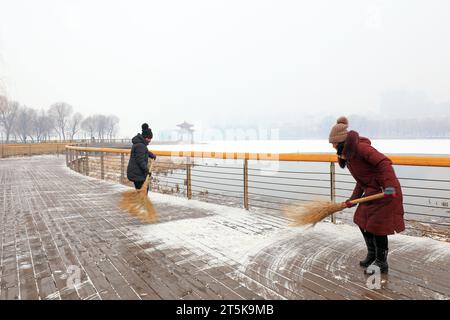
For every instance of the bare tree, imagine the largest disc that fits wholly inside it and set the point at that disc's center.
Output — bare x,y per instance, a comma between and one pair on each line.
61,112
100,125
112,125
88,125
8,113
75,124
24,123
43,125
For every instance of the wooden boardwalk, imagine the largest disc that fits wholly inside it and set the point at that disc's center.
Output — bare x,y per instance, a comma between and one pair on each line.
63,237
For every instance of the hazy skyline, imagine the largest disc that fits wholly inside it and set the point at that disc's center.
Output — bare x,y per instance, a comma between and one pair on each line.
219,62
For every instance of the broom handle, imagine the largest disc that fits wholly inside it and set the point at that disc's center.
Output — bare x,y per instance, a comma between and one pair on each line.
147,179
150,166
368,198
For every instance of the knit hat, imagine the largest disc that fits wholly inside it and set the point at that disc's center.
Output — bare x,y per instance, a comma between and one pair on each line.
146,131
339,131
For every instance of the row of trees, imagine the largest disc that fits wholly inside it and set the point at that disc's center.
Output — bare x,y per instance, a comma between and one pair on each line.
373,127
376,127
24,123
421,127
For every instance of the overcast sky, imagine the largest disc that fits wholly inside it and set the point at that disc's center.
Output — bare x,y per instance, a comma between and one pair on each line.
225,61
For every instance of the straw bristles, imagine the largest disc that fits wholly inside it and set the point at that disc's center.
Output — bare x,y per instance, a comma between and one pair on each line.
137,203
311,212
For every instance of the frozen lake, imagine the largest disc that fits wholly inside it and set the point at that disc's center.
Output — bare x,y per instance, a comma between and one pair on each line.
413,146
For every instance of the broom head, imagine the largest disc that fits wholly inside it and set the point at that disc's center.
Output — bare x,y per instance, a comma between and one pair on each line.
311,212
137,203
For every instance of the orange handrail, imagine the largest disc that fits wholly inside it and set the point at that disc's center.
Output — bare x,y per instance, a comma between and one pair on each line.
429,161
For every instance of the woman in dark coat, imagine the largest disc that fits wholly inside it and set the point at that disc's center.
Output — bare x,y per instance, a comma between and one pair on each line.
137,169
373,173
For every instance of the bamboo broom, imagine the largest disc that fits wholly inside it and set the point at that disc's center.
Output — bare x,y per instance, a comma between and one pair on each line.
315,211
137,203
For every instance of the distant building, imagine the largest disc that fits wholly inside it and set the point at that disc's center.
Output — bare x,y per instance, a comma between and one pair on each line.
186,133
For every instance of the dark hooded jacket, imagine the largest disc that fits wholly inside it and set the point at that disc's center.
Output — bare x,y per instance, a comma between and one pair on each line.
137,169
373,172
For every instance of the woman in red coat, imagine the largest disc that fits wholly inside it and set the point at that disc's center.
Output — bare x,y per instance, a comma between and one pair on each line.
373,173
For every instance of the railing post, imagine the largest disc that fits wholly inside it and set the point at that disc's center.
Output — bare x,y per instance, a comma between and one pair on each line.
151,164
188,179
333,186
87,163
67,158
122,167
102,165
78,160
246,184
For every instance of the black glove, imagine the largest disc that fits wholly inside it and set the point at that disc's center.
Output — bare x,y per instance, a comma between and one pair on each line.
151,155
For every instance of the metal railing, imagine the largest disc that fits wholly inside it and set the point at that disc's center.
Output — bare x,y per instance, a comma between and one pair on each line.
67,141
270,181
30,149
56,146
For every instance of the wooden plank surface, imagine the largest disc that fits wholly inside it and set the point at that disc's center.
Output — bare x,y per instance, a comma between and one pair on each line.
54,221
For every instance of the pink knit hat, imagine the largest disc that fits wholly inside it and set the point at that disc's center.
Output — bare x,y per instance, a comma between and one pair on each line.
339,131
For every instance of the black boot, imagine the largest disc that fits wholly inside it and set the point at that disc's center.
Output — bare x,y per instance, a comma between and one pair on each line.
380,262
368,238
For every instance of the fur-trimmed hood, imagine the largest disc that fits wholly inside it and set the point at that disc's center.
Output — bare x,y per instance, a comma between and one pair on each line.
139,138
351,144
351,147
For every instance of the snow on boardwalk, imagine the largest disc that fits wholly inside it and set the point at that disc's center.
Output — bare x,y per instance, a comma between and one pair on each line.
58,226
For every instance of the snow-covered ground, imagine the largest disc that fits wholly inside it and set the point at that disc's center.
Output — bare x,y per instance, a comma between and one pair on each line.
278,256
266,230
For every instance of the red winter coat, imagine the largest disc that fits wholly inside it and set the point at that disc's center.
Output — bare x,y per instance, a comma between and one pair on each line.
373,172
